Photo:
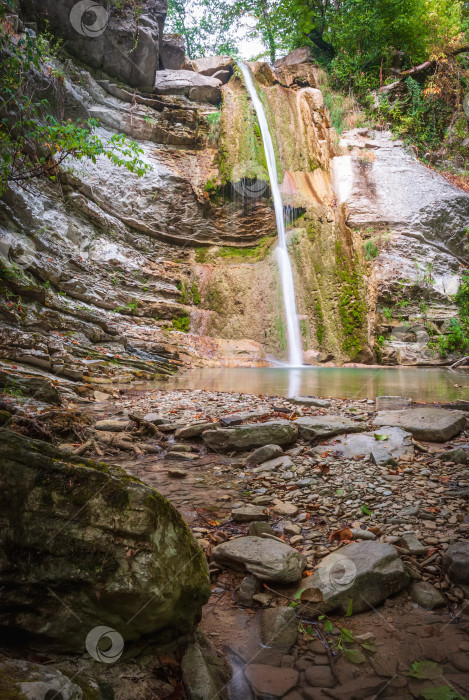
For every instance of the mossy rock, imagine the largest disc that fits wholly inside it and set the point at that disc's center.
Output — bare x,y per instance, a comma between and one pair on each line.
84,544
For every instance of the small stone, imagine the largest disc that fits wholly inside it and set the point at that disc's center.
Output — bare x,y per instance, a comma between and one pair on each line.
286,509
266,558
310,401
112,426
257,528
100,396
249,587
320,677
296,540
177,473
194,429
456,456
248,514
456,562
264,454
279,628
290,528
410,542
426,595
360,534
263,599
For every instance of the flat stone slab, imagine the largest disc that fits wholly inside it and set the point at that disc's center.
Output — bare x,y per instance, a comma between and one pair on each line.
111,425
273,464
267,559
309,401
271,681
365,572
248,514
251,435
238,418
316,427
399,442
432,424
196,87
392,403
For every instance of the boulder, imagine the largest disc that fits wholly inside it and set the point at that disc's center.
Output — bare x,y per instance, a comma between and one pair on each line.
215,66
121,44
267,559
251,435
83,544
433,424
173,52
349,446
264,454
456,562
319,427
365,572
303,54
199,88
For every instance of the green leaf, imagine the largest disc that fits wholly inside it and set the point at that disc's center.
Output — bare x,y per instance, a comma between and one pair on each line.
355,656
378,436
443,692
339,492
328,626
347,635
426,670
366,510
369,646
297,595
349,608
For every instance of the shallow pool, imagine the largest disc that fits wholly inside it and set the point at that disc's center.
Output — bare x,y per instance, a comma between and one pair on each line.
420,384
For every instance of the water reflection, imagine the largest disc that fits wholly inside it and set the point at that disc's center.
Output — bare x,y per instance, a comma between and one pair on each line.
420,384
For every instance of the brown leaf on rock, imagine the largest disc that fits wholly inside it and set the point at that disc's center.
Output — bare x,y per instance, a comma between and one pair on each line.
312,595
341,535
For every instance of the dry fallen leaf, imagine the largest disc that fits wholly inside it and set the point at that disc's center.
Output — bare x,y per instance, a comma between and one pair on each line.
312,595
341,535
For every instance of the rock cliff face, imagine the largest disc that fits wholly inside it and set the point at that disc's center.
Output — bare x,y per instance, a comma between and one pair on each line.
108,276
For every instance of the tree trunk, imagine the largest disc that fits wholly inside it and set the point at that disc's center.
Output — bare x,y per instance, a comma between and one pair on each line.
327,49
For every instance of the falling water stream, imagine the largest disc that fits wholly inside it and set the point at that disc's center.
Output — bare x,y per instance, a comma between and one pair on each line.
295,352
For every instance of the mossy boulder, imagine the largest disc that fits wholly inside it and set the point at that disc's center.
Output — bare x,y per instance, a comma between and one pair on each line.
84,544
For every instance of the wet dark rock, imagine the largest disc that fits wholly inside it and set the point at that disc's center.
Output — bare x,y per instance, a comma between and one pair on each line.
249,587
205,674
91,528
21,679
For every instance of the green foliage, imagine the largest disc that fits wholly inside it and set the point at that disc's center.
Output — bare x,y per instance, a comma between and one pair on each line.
204,24
182,324
33,142
371,250
457,336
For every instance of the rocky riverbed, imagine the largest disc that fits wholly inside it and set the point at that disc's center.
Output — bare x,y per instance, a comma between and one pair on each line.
335,532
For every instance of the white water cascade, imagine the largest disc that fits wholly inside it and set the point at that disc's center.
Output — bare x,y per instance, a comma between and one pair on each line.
295,353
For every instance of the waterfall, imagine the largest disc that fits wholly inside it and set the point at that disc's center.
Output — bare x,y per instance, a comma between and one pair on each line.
295,352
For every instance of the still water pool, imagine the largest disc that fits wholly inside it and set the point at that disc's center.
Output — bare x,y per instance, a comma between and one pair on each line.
419,384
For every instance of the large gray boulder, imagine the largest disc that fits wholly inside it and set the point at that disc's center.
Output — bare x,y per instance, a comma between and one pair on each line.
267,559
119,42
365,572
317,427
199,88
251,435
303,54
220,67
433,424
173,52
83,545
456,562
